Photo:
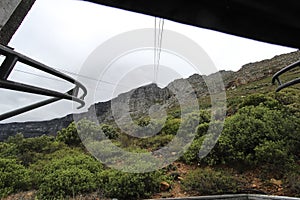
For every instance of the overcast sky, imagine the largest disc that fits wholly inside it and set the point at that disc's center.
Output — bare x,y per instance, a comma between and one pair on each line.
63,33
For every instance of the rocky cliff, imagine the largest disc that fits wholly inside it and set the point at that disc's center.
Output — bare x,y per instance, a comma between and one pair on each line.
143,98
259,70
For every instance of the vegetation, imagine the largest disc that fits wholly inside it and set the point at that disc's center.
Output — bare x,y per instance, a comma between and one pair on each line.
261,137
14,177
207,181
116,184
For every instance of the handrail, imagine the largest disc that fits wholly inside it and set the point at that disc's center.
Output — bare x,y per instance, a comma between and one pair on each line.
282,71
12,57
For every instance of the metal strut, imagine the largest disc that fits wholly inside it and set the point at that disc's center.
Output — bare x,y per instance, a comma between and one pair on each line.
11,58
284,70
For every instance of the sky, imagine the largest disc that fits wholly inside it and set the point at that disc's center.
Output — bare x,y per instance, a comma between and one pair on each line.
63,33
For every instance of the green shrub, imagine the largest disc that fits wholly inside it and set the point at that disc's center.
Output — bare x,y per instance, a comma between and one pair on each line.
75,133
175,114
120,185
204,116
233,105
202,129
222,153
192,154
62,153
147,128
245,133
64,183
81,161
153,143
104,150
66,175
205,140
209,182
14,177
260,99
274,156
109,131
69,135
288,96
188,127
8,150
171,126
29,150
90,131
292,183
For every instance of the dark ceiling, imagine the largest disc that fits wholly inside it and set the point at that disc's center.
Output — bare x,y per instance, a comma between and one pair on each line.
276,22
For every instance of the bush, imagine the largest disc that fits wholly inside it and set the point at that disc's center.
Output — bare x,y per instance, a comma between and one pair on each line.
288,96
147,128
120,185
245,133
192,154
175,114
69,135
104,150
209,182
204,116
66,176
64,183
205,141
29,150
233,105
274,156
152,143
13,177
171,126
90,131
109,131
201,129
81,161
292,184
8,150
260,99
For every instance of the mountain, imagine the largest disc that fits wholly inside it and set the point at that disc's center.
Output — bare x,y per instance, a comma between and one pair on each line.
143,98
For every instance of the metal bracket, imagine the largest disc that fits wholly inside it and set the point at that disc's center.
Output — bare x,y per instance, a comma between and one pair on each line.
284,70
11,58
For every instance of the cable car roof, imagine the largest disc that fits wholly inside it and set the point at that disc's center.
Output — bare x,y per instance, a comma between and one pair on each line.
276,22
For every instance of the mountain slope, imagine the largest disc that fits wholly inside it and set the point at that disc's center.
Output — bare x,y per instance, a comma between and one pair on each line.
251,77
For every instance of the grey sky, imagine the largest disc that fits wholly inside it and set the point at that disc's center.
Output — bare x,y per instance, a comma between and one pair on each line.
62,34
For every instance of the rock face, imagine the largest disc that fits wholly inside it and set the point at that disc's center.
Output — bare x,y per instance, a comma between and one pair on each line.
34,129
259,70
147,97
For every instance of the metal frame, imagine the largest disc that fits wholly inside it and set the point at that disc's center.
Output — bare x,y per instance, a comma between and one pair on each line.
7,67
284,70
